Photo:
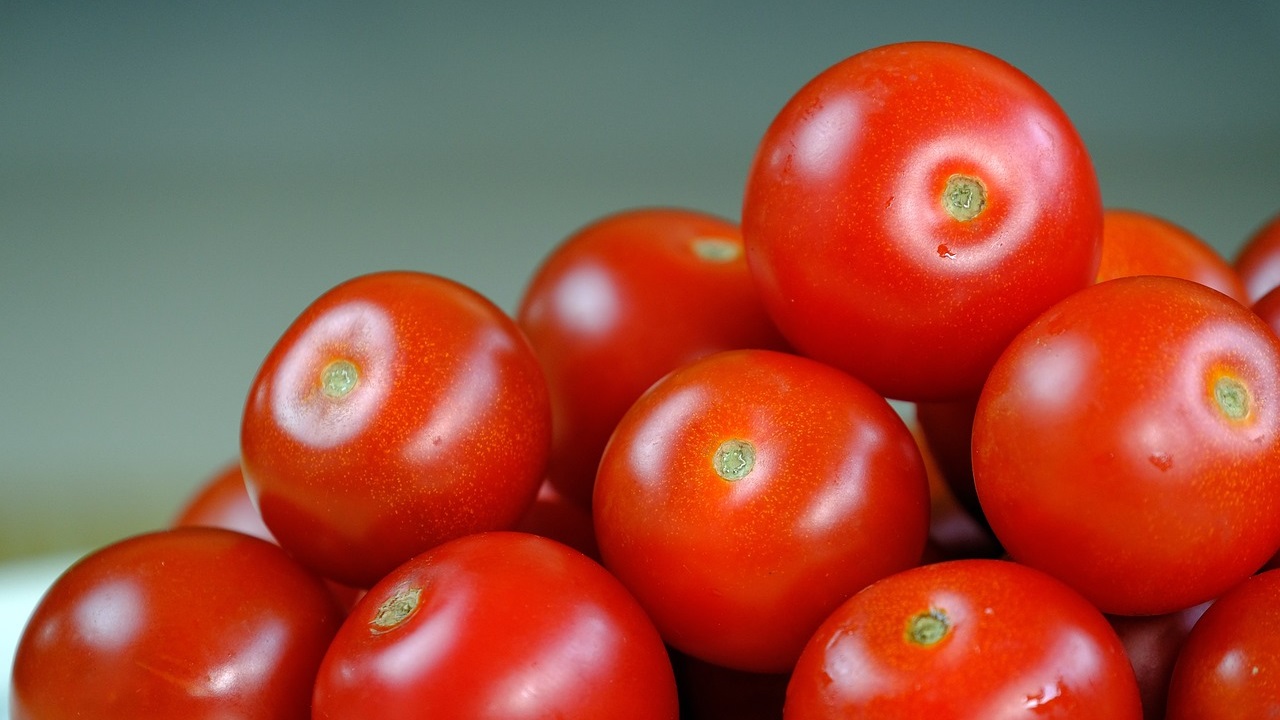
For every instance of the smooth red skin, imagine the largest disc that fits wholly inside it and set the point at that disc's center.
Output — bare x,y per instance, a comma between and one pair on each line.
619,304
1021,645
189,623
858,261
954,533
554,516
224,502
1229,666
509,626
1258,261
740,573
447,432
1152,643
1102,457
947,429
1267,307
1139,243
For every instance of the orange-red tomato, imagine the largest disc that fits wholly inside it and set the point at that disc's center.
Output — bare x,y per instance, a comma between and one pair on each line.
622,302
400,410
964,640
1139,243
911,208
747,494
1128,442
1258,261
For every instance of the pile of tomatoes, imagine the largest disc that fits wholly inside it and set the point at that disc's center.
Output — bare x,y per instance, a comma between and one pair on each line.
673,483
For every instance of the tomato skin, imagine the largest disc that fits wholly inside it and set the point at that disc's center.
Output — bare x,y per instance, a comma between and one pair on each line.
1128,442
444,432
1258,261
507,626
223,501
186,623
1229,665
739,572
622,302
1152,643
1017,644
859,259
1139,243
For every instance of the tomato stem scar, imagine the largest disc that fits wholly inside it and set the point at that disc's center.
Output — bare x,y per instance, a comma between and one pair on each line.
928,628
964,197
716,250
398,608
1232,397
734,459
339,378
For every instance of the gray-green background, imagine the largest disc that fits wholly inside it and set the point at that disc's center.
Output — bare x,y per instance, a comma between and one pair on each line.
179,179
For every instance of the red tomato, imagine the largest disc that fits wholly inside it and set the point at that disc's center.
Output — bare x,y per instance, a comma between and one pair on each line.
747,494
914,206
622,302
554,516
954,533
978,639
947,431
711,692
1229,666
1152,643
400,410
1258,261
497,625
1138,243
1128,442
190,623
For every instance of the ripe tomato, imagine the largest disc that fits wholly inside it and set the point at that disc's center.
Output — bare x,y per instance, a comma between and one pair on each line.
1229,665
1152,643
554,516
500,625
962,639
1139,243
1128,442
223,501
747,494
398,411
1258,261
189,623
914,206
622,302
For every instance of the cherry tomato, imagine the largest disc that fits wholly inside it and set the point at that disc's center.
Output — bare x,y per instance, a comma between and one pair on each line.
622,302
963,639
1258,262
747,494
947,430
954,533
711,692
1128,442
189,623
554,516
1229,665
400,410
914,206
1139,243
1152,643
500,625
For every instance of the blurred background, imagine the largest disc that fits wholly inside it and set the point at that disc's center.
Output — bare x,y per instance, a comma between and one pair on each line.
179,179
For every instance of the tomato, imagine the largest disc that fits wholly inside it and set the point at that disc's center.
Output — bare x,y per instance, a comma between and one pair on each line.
1229,665
964,639
189,623
554,516
1128,442
400,410
1139,243
501,625
1258,261
622,302
911,208
947,431
954,533
747,494
711,692
1152,643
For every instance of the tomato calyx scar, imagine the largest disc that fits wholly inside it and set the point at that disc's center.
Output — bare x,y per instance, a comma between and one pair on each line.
339,378
927,628
716,250
964,197
1232,397
395,610
734,459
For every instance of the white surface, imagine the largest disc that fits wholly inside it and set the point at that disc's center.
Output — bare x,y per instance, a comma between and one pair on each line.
21,586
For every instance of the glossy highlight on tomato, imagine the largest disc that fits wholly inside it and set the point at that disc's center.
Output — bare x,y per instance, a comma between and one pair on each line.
1128,443
911,208
400,410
